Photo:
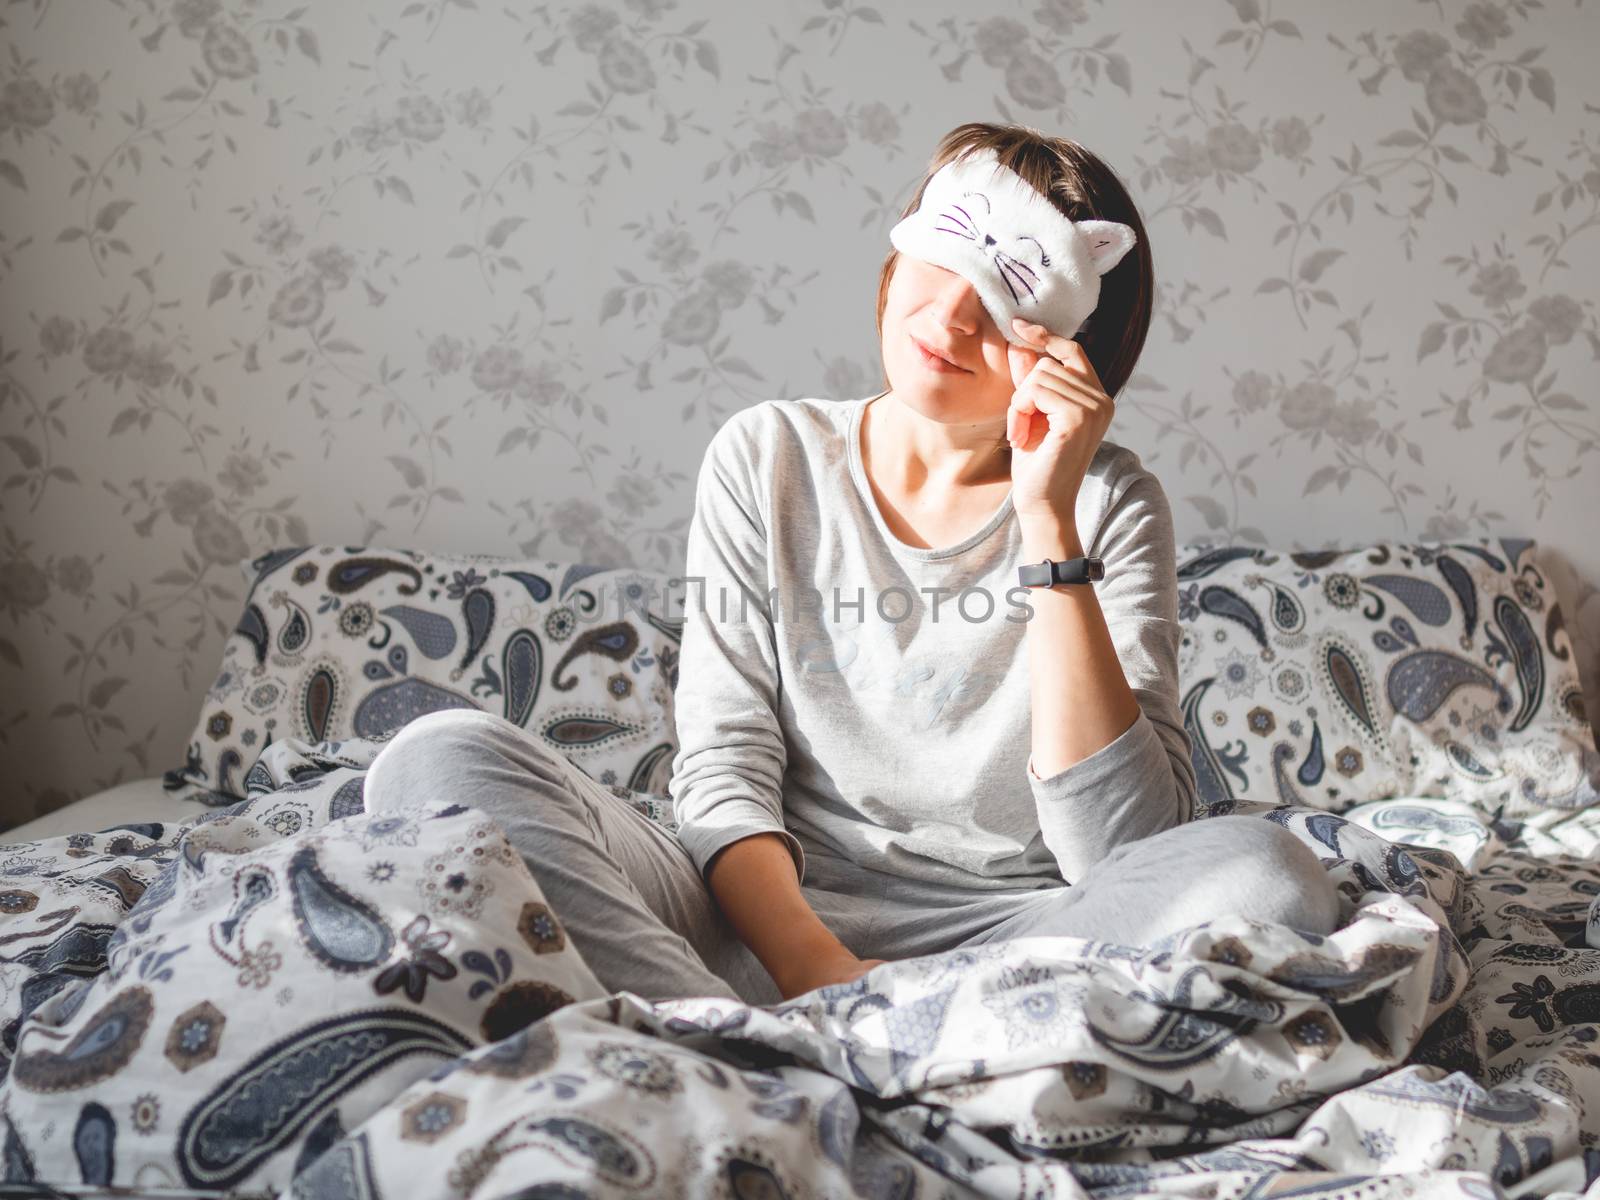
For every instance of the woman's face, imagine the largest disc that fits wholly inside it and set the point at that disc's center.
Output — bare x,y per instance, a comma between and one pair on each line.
942,311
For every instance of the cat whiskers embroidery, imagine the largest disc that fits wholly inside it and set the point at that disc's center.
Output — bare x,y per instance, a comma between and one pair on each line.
1010,268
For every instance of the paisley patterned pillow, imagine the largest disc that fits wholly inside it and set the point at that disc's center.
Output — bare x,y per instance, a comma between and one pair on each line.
267,994
338,642
1333,678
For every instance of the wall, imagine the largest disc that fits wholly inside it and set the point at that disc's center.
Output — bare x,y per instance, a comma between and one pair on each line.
484,277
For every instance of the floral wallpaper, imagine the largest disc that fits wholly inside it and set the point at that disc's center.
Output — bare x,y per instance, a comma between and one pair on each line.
459,276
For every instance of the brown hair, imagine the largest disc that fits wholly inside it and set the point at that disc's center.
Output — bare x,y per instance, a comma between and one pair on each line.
1082,187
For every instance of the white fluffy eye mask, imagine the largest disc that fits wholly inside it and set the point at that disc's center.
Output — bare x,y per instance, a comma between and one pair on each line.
984,222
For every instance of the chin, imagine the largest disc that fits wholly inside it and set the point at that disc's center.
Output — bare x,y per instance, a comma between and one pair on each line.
929,395
948,405
910,375
940,397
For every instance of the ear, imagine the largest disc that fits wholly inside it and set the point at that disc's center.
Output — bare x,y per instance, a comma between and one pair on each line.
1108,242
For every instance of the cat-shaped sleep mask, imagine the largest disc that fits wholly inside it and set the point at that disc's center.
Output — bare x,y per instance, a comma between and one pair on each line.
1025,258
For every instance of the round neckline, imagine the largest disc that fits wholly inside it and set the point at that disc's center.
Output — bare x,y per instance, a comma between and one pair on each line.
858,472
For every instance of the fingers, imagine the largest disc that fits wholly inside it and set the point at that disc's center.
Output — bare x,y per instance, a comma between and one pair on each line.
1019,416
1049,386
1066,384
1016,428
1028,418
1044,397
1069,354
1057,378
1021,362
1052,344
1059,375
1052,390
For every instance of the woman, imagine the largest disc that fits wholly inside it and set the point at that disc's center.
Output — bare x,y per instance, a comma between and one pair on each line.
887,746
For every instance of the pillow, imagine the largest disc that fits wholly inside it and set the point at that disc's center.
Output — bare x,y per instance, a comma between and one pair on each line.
267,994
1337,677
338,642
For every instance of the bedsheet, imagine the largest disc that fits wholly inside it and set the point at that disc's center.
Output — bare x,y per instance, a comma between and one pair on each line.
1442,1042
137,800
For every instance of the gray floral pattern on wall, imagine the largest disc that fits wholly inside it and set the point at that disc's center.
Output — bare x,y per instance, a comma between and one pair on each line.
485,278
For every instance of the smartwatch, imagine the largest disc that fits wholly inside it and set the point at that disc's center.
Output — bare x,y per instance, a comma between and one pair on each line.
1048,573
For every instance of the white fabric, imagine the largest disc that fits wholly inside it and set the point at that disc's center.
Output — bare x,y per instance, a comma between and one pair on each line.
134,801
276,978
1391,670
983,221
1226,1058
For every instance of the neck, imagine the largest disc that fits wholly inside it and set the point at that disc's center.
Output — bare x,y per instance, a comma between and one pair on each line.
913,448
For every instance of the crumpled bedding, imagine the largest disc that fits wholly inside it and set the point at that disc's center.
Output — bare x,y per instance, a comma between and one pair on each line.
1442,1042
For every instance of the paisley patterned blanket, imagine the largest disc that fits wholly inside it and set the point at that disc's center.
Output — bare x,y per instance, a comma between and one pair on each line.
292,996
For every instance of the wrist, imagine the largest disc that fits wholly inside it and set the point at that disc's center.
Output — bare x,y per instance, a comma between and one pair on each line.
807,958
1050,536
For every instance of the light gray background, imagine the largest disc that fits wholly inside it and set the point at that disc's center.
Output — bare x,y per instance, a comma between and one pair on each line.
483,277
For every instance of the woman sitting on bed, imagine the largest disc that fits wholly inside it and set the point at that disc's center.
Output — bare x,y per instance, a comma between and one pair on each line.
890,744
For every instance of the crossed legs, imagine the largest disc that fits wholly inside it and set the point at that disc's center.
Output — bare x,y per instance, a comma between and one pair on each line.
630,898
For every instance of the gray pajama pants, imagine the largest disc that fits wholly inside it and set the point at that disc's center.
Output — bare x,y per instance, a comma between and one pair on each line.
632,902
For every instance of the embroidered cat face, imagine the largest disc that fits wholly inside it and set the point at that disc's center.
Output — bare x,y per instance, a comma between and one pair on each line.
1022,255
958,218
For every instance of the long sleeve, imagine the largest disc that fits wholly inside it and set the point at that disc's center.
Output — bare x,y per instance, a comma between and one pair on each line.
728,770
1143,781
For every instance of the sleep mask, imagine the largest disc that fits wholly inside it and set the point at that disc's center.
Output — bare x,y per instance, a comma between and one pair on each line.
1025,258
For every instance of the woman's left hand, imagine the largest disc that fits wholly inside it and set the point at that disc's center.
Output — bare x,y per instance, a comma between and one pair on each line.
1058,415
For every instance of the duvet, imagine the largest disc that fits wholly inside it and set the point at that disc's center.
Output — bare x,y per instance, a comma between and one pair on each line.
291,996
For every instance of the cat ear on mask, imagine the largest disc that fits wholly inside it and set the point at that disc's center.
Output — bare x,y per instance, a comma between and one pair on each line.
1108,242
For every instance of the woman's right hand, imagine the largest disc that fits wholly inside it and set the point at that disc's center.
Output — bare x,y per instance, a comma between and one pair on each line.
840,967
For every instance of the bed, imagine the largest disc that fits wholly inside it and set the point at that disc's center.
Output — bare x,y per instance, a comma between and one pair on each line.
138,800
247,985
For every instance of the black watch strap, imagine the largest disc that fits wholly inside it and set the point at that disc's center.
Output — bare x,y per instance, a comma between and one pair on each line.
1048,572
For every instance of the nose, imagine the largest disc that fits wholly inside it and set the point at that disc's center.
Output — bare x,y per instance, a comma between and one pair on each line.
957,304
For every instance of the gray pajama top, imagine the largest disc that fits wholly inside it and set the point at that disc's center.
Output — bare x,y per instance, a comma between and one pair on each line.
868,699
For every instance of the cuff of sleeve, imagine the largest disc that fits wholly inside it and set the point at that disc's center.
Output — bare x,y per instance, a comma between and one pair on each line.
736,820
1136,741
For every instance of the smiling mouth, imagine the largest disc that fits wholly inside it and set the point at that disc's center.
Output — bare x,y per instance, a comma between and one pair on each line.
936,359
